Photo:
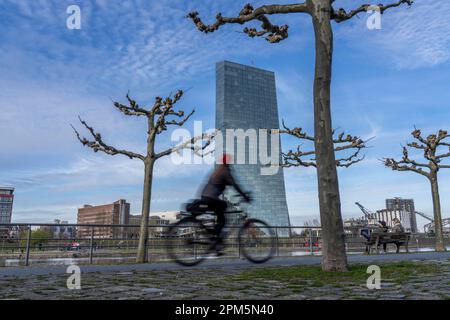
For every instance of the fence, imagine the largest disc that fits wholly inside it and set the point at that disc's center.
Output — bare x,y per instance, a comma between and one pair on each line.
21,244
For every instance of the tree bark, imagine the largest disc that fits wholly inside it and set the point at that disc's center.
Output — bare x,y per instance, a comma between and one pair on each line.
437,213
146,200
333,248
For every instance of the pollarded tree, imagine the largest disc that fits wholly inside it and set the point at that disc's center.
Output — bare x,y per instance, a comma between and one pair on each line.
159,117
322,13
342,142
430,168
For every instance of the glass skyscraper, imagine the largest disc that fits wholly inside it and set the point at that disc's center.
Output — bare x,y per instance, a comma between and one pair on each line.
246,99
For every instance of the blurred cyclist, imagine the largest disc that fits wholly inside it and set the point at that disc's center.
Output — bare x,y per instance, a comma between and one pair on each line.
217,182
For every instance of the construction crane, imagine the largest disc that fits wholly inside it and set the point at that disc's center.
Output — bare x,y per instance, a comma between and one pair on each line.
424,216
429,227
367,213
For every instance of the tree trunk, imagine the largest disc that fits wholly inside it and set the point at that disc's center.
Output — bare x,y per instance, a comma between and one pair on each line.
333,248
437,212
146,199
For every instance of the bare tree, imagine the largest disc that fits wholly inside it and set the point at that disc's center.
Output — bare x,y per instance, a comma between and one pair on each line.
322,13
429,169
342,142
157,122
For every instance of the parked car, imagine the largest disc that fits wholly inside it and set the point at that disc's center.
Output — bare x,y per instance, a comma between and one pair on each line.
72,246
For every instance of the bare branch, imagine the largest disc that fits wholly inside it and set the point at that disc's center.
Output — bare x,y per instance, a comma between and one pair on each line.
417,134
98,145
341,15
191,144
350,160
445,155
156,109
294,159
272,32
165,109
343,138
430,146
342,142
407,160
181,122
400,166
417,145
296,132
443,134
132,110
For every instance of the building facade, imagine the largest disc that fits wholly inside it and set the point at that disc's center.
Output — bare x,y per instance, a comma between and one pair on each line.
158,222
108,214
406,205
388,215
246,99
61,230
6,205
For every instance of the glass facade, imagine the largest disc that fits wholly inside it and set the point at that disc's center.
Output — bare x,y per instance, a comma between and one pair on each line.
246,99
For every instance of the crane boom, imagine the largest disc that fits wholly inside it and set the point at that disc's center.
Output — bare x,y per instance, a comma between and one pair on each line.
367,213
424,216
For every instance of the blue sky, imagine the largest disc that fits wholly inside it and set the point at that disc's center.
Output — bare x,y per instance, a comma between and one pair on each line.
384,82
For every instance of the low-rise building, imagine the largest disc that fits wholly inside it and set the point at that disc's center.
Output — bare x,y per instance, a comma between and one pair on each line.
108,214
61,230
158,222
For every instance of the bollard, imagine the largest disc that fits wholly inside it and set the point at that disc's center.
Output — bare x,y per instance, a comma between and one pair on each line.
146,245
195,248
276,238
310,242
91,253
27,254
239,248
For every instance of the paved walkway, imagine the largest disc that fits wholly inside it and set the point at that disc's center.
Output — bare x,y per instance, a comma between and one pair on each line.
228,263
234,279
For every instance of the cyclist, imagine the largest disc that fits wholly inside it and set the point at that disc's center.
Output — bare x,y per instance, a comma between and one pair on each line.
217,182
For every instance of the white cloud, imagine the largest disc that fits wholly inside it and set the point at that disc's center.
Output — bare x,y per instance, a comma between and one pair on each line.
149,47
97,171
410,38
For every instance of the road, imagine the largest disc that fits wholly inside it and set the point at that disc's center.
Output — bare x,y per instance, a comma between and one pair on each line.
220,263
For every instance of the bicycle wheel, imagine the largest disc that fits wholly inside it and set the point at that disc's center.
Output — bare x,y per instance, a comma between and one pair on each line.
188,242
257,241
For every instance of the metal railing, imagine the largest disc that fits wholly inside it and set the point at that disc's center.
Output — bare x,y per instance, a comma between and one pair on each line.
22,244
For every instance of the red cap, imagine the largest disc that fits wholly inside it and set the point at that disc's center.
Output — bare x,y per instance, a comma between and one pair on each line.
226,158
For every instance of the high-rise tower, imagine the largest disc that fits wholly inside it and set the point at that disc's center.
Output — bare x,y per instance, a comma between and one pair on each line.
246,99
406,205
6,205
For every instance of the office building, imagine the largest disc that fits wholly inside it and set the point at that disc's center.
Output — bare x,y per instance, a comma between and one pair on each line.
60,230
406,205
158,222
388,215
246,99
6,205
107,214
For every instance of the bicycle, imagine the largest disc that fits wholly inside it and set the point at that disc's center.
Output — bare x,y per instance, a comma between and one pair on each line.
192,239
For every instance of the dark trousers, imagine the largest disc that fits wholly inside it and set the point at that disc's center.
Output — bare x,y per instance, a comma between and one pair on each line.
219,207
365,233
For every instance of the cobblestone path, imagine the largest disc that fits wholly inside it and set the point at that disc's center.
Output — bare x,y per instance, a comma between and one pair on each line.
415,280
